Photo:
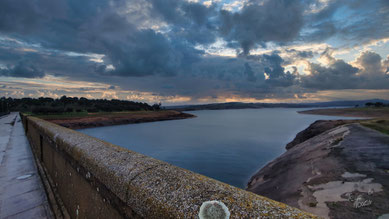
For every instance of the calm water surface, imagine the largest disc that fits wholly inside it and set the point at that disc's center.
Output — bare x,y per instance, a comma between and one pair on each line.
227,145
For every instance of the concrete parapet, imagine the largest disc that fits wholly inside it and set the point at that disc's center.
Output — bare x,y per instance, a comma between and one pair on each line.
96,179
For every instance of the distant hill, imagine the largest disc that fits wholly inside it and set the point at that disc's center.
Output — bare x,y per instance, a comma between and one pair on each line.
240,105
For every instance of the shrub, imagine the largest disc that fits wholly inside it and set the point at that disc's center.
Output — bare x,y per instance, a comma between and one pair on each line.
92,110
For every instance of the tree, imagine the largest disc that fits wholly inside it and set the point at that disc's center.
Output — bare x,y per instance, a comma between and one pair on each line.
379,104
156,106
44,105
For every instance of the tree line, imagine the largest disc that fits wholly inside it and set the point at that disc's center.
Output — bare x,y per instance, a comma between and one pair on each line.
47,105
376,104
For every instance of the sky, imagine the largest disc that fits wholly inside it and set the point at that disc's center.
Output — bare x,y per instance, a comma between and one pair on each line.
195,51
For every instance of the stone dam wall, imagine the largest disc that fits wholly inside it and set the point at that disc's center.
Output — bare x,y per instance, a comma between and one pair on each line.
90,178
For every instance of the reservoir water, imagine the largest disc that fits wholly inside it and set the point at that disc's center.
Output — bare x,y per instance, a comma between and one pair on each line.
227,145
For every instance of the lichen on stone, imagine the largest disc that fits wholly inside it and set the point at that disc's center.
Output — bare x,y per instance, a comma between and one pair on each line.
214,210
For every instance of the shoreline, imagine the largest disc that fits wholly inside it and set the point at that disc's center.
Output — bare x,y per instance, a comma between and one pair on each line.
112,119
350,112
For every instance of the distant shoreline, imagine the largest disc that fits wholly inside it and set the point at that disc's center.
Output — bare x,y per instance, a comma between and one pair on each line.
117,118
243,105
367,112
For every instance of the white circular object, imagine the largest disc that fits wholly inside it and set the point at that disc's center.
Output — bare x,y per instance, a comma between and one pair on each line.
214,210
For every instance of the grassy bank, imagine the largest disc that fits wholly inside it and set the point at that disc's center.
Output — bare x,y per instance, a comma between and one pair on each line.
79,120
381,125
85,114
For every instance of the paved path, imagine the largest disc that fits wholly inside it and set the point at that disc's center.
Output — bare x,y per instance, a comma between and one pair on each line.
21,191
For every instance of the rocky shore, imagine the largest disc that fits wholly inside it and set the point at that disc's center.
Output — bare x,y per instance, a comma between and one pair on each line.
334,169
316,128
119,119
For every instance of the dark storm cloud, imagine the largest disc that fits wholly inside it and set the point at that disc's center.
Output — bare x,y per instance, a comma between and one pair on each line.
273,21
161,40
246,69
272,66
275,71
100,27
50,61
300,54
371,63
28,16
338,75
282,22
341,75
294,55
22,69
373,70
322,31
356,21
249,72
190,21
148,53
215,76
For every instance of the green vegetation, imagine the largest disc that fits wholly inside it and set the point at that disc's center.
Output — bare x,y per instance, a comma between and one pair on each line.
381,125
72,106
376,104
370,112
371,109
378,107
4,108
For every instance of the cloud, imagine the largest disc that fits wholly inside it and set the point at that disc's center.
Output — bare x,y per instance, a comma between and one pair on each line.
189,20
370,74
150,53
353,22
272,67
385,65
273,21
338,75
370,63
161,46
249,73
22,69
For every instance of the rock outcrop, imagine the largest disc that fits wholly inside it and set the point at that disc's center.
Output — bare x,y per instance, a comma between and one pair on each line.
315,129
341,173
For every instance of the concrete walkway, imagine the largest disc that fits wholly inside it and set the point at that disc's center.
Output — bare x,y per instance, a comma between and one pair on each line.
21,191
